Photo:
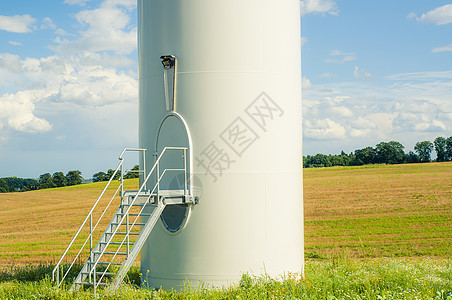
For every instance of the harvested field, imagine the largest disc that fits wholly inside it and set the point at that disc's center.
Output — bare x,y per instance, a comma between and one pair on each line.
379,210
369,211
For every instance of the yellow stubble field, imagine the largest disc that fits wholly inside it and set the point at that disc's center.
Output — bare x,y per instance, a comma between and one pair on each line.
368,211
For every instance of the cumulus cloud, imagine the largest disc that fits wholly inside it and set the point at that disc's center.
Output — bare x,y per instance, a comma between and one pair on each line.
319,6
16,111
439,16
323,129
87,71
361,73
106,30
17,24
47,23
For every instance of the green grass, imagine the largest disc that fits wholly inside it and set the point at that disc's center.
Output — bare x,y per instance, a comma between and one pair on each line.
338,278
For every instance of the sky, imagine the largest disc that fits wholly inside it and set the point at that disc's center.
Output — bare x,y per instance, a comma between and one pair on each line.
372,71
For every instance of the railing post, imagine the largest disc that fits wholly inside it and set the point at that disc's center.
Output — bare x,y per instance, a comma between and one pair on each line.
185,171
144,169
127,232
90,233
122,179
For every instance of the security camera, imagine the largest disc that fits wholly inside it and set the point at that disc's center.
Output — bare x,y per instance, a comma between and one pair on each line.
168,61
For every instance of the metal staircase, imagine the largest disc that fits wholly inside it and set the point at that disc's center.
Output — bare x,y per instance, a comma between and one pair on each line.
117,248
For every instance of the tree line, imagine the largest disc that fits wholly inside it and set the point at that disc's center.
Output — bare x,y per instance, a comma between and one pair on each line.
45,181
102,176
385,153
58,179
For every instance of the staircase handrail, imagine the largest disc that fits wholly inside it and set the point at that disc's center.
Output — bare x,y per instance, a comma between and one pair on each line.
56,269
143,185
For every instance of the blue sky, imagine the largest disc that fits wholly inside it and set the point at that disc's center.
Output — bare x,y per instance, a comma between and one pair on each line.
372,71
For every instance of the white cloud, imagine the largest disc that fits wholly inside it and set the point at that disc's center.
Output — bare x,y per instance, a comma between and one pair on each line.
360,133
340,53
361,73
76,2
421,76
88,71
363,123
14,43
98,86
323,129
306,83
107,30
303,41
47,23
328,75
319,6
439,16
339,57
17,112
442,49
17,24
341,111
433,126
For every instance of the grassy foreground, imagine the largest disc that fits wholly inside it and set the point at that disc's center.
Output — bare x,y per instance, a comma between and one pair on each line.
338,278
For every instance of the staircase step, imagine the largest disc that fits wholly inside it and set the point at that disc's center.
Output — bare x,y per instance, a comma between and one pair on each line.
104,263
111,253
130,233
124,224
141,215
99,273
116,243
134,205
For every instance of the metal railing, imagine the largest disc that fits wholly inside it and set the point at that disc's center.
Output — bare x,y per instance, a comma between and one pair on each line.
58,273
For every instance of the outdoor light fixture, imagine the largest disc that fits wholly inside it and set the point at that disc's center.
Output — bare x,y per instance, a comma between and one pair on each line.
169,81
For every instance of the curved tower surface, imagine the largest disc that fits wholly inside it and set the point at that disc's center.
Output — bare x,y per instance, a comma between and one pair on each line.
223,79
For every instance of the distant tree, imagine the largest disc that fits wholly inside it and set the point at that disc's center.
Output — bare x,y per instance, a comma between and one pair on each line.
21,184
100,176
74,177
3,186
424,150
45,181
135,174
59,179
336,160
110,173
29,184
440,149
317,161
411,158
367,155
390,152
449,148
354,161
14,183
